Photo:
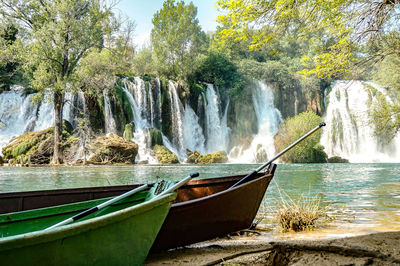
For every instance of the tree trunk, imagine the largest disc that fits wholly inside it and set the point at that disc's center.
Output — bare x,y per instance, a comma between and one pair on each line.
58,110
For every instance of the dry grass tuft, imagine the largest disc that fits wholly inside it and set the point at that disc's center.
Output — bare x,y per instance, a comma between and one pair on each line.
299,215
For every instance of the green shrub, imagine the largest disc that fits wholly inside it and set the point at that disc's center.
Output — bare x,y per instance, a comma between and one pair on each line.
309,150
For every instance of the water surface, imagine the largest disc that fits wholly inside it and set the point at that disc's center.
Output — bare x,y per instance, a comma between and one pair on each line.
360,196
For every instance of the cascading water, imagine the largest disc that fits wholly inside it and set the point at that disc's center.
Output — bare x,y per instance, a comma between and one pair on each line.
109,122
136,93
193,138
268,119
18,115
348,133
177,117
217,131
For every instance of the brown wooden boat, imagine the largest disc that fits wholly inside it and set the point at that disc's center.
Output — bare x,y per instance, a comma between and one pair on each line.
204,208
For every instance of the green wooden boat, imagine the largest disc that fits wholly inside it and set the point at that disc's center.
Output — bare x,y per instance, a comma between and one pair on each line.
120,234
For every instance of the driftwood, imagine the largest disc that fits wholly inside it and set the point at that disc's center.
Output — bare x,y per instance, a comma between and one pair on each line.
278,253
358,252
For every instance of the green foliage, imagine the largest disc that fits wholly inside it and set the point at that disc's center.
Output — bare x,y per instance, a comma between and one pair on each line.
176,38
217,69
309,150
387,72
10,72
96,72
143,62
334,27
58,34
385,117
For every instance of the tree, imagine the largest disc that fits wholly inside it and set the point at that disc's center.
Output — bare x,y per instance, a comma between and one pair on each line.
58,35
9,67
345,24
351,37
176,38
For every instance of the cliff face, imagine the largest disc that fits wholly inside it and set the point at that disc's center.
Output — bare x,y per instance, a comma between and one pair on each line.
296,101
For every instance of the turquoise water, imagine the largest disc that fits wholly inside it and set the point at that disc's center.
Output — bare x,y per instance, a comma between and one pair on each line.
364,193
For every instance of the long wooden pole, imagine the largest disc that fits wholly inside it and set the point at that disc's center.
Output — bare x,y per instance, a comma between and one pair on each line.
244,179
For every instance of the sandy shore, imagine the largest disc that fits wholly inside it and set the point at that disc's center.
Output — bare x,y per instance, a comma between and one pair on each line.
370,249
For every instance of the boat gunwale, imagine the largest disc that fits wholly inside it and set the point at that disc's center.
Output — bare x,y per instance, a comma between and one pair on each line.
217,194
42,236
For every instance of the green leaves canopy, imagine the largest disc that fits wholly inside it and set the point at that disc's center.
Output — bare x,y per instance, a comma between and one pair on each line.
176,38
340,24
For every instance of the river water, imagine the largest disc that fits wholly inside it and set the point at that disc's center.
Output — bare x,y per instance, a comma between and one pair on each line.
360,197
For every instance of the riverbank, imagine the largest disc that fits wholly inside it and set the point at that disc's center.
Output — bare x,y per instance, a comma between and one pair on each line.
378,248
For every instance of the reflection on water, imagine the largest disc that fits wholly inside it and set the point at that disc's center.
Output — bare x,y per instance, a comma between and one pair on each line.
361,195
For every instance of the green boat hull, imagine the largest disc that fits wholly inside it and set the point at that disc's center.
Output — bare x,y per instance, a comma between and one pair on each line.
121,235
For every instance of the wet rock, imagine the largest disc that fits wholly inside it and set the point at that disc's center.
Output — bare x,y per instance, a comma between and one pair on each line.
216,157
164,155
112,149
337,159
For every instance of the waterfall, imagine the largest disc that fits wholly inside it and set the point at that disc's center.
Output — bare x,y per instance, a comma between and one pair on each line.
80,110
136,93
158,102
217,130
268,119
193,138
348,133
177,117
18,115
109,122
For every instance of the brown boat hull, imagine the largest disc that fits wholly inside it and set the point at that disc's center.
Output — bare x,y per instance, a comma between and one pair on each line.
218,214
204,208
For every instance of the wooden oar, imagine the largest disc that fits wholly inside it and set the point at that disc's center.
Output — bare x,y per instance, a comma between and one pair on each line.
126,194
244,179
177,185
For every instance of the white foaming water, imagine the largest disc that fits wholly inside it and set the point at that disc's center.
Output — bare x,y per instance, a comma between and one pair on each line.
141,135
348,133
193,138
268,119
18,115
216,127
177,117
109,122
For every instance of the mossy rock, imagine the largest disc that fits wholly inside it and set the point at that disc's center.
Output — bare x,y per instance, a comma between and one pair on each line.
155,137
216,157
112,149
164,155
337,159
27,144
1,161
128,132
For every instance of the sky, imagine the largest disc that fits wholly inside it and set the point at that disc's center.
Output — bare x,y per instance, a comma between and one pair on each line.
141,12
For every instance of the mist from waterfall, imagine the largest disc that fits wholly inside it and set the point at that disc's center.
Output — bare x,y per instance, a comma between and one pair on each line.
268,118
349,133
